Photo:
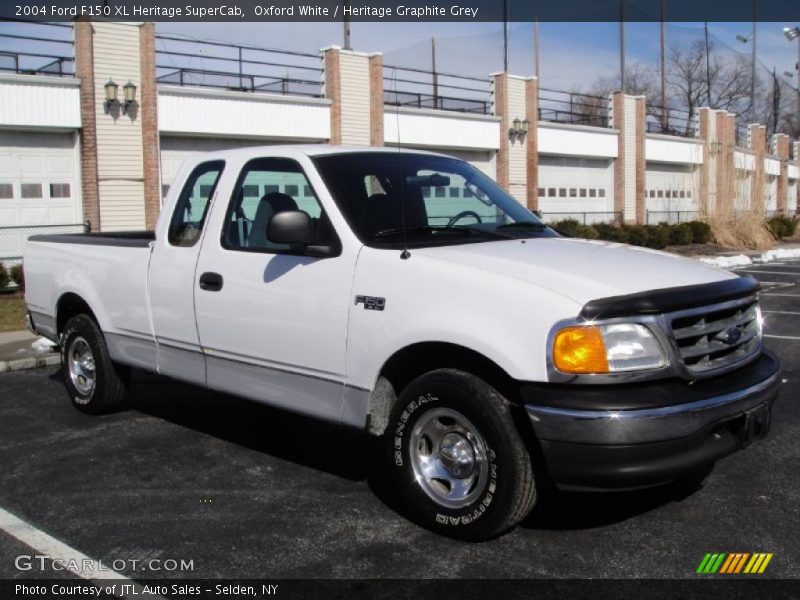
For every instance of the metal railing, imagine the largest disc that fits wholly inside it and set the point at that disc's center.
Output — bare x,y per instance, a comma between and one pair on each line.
418,88
671,217
573,107
585,218
49,49
237,67
671,121
12,239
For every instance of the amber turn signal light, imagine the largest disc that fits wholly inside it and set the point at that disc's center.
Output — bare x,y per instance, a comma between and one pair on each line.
580,350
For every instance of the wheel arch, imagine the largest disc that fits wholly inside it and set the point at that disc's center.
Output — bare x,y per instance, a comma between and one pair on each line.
414,360
70,304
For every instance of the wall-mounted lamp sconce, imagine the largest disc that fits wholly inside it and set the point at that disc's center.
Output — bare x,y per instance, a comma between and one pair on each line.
112,91
519,128
111,94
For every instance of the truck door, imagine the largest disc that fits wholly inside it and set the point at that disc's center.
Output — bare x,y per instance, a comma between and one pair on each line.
171,277
272,319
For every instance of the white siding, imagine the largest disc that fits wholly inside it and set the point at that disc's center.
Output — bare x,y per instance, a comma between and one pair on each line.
355,98
673,150
39,101
119,136
440,129
241,114
570,140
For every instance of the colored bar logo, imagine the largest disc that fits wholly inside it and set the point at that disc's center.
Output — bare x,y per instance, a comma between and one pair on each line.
734,563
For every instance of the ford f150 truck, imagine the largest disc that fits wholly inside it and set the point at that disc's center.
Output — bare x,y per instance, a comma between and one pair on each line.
407,294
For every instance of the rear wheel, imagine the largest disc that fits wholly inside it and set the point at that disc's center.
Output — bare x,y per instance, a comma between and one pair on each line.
457,458
94,384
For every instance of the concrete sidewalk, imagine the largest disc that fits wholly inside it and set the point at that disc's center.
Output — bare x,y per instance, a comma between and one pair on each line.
24,350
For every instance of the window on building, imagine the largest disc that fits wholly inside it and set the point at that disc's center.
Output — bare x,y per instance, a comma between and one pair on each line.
164,191
652,193
291,190
440,192
601,192
6,191
592,193
682,194
31,190
573,192
271,189
426,192
551,192
467,193
60,190
250,191
454,192
688,193
660,193
562,192
583,192
192,205
307,191
540,192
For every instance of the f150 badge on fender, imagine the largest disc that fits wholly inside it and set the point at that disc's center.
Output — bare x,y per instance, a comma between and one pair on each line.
371,302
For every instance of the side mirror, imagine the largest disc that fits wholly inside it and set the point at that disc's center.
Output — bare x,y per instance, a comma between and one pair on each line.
291,227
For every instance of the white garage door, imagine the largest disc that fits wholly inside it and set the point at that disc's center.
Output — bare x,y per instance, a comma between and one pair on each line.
575,187
672,190
39,182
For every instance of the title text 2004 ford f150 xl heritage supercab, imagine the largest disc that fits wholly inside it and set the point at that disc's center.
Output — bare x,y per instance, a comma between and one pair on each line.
407,294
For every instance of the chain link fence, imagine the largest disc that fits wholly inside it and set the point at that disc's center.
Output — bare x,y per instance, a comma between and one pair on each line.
671,217
12,239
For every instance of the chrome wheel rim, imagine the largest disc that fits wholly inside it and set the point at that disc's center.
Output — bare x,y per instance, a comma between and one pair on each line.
449,458
80,363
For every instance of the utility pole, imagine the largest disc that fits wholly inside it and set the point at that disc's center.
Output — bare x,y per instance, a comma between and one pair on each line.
753,71
505,36
537,46
708,67
346,24
622,81
664,118
776,100
435,76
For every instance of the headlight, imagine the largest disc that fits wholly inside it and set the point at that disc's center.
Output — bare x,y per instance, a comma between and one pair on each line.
607,349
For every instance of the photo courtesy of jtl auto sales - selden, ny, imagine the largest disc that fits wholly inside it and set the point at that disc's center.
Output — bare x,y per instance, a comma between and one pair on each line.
400,300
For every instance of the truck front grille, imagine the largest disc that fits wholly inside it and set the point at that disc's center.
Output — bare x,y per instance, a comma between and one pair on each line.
715,337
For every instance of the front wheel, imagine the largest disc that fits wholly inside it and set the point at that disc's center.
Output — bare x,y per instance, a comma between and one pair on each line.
457,458
93,382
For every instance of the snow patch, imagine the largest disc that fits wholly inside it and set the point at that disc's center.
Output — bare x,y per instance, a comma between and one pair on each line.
727,262
780,254
42,346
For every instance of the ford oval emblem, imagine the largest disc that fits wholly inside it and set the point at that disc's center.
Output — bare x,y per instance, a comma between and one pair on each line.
730,336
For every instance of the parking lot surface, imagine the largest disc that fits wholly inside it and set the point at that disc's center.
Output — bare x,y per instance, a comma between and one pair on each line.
241,490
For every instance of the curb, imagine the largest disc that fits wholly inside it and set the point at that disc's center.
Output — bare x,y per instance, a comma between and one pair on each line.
34,362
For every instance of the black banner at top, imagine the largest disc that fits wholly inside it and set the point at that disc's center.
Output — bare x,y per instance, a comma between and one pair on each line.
787,11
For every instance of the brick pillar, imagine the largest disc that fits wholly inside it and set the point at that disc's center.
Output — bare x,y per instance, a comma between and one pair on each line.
780,142
499,95
511,101
725,181
707,134
84,71
376,136
532,142
148,111
628,116
354,84
757,142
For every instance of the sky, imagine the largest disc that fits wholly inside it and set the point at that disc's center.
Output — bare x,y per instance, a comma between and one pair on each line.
572,54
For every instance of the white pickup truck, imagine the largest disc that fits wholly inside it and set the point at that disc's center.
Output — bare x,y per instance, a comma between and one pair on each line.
406,294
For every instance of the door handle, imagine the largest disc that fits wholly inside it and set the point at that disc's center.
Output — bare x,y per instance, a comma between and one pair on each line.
211,282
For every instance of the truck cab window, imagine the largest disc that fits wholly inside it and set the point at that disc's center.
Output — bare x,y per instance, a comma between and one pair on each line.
192,205
266,187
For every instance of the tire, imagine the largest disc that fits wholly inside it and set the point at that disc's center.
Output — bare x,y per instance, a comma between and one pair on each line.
93,382
457,460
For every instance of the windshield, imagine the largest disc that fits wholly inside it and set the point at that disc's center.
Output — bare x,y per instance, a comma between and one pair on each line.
389,198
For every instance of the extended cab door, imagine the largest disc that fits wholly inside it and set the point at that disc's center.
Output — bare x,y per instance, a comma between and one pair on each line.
172,275
273,319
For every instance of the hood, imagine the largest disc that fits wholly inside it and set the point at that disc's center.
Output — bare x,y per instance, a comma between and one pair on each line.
581,270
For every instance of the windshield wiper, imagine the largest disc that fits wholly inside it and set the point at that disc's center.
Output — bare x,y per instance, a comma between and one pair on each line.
436,229
528,225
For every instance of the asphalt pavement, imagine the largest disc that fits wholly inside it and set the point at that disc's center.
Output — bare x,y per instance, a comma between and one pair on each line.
242,490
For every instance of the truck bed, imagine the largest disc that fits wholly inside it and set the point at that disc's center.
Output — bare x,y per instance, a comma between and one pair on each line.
107,238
